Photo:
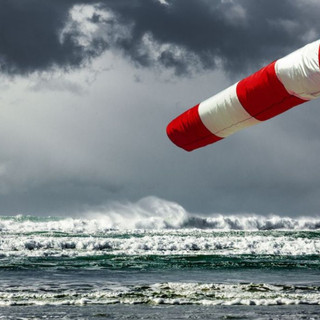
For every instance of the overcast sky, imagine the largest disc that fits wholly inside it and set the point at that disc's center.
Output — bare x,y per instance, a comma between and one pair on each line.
88,88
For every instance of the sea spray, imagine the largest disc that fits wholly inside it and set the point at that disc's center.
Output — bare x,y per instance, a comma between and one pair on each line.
152,213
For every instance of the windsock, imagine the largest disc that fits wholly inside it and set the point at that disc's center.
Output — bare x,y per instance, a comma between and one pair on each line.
276,88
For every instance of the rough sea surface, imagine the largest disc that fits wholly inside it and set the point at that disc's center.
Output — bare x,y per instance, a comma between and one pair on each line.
153,260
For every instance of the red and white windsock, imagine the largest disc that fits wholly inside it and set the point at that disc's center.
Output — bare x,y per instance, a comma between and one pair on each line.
270,91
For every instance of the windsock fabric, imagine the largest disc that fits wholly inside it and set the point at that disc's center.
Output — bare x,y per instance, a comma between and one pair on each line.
270,91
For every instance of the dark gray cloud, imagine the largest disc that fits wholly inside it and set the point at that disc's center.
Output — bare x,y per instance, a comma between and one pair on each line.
182,34
30,37
237,34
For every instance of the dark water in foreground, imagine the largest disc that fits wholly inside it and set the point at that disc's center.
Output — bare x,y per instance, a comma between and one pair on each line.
162,312
160,294
228,268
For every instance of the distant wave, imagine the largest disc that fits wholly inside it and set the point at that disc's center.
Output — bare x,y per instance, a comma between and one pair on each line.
152,213
252,223
159,229
152,244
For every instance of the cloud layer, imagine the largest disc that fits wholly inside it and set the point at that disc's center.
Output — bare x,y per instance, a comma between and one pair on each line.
88,88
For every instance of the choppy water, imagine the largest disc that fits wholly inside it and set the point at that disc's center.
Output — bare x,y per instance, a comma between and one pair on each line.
152,259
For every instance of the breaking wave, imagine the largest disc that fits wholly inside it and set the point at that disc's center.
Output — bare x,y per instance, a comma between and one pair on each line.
157,228
156,214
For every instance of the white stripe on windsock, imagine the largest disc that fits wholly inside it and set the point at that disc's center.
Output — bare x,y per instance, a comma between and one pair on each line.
223,114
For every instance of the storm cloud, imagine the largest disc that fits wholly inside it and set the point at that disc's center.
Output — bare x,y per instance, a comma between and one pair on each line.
182,35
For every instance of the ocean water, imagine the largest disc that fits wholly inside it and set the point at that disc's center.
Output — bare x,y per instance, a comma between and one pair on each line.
153,260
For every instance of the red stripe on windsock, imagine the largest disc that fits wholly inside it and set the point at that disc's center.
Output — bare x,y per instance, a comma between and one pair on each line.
188,132
264,96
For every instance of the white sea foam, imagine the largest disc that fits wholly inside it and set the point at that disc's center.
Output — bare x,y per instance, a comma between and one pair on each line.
169,243
165,293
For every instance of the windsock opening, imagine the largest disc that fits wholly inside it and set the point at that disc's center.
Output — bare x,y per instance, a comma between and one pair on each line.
188,132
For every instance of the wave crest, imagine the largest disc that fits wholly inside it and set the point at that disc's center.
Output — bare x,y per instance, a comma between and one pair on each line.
156,214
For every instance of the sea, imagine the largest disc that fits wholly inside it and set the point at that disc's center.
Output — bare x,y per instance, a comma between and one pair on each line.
154,260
